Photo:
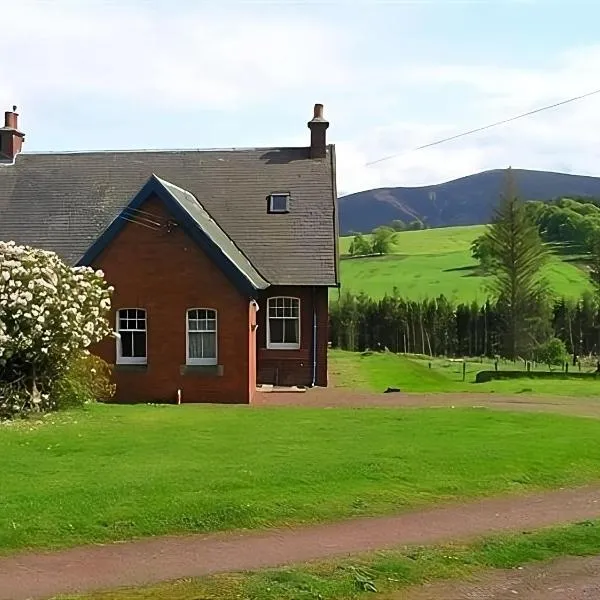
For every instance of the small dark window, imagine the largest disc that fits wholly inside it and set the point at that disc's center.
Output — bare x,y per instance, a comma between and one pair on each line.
279,203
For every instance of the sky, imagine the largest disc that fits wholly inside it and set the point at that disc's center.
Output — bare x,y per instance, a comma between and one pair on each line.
392,75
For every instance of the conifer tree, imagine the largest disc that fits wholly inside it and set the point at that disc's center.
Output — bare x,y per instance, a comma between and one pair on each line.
517,256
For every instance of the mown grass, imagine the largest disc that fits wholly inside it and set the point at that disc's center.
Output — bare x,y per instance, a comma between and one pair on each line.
120,472
438,261
382,572
378,371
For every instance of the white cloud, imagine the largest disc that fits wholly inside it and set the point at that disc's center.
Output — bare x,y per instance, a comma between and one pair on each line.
178,59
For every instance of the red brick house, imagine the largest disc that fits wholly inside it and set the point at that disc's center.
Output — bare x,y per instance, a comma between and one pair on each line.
221,259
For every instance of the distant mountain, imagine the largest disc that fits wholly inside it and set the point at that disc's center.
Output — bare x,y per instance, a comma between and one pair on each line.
465,201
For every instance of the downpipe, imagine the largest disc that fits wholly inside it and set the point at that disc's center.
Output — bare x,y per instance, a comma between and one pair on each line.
314,353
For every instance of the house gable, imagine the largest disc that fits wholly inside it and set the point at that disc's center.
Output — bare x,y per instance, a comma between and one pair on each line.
198,225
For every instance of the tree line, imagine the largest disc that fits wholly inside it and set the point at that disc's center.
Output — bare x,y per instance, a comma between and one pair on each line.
519,320
438,327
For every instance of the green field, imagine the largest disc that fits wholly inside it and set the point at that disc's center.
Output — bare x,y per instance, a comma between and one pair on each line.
438,261
120,472
386,571
378,371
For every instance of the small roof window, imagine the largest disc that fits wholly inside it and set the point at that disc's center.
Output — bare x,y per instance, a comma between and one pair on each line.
279,202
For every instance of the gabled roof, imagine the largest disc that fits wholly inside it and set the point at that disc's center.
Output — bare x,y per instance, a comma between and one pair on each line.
64,201
197,223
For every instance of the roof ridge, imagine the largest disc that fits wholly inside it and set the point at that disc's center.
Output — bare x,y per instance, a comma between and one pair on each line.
161,150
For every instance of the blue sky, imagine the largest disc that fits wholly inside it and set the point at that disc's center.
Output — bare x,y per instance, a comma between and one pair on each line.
107,74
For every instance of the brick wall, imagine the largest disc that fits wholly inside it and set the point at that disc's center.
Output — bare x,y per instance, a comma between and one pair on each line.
295,367
166,274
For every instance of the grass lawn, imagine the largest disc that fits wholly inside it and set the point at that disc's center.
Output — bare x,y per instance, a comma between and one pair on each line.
387,571
378,371
118,472
438,261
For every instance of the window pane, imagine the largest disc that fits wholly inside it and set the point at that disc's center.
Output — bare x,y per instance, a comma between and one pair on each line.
127,344
195,345
202,320
202,345
139,344
276,331
209,345
132,319
279,202
295,308
291,331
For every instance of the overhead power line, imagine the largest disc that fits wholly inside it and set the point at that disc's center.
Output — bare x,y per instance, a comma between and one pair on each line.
471,131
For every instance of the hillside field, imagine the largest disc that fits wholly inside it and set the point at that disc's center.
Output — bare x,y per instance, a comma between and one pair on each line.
438,261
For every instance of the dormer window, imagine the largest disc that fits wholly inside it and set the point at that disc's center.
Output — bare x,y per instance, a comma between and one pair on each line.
279,203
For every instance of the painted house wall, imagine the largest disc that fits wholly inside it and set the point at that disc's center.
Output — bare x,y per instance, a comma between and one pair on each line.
295,367
166,274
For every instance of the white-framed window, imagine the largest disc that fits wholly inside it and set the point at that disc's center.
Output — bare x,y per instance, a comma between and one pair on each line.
132,339
279,203
283,323
201,336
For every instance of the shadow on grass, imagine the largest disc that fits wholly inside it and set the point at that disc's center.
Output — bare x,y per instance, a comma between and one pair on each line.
469,271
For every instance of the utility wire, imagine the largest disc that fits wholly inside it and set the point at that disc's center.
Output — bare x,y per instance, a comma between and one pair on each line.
471,131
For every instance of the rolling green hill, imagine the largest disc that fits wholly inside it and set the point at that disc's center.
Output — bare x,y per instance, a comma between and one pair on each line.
438,261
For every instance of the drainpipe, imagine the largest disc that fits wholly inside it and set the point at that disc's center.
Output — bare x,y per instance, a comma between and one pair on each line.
314,353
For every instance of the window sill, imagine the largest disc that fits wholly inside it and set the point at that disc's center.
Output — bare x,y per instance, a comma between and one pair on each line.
131,367
283,346
206,370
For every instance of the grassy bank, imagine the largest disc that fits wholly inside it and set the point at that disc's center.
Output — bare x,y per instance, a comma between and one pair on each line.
378,371
119,472
383,572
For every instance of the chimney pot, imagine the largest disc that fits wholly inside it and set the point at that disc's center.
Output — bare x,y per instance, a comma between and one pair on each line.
318,133
10,119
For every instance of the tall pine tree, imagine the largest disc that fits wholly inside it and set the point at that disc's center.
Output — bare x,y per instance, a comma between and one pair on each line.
517,256
594,246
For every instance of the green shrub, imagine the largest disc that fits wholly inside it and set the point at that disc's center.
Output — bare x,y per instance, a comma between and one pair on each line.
552,352
87,379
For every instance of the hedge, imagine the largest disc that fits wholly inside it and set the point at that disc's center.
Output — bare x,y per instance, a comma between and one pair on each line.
486,376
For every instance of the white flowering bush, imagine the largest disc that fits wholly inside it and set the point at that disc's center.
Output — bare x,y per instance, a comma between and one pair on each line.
49,314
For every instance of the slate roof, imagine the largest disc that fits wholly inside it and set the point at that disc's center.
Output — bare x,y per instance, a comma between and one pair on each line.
64,201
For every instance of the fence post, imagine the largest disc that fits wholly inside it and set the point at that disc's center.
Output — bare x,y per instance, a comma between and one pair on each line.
464,370
496,365
528,367
566,367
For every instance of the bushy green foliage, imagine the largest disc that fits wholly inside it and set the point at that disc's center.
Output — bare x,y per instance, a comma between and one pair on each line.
360,246
49,313
86,379
552,353
383,240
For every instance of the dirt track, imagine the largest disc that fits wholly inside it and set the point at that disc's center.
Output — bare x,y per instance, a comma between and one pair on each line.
564,579
338,397
159,559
